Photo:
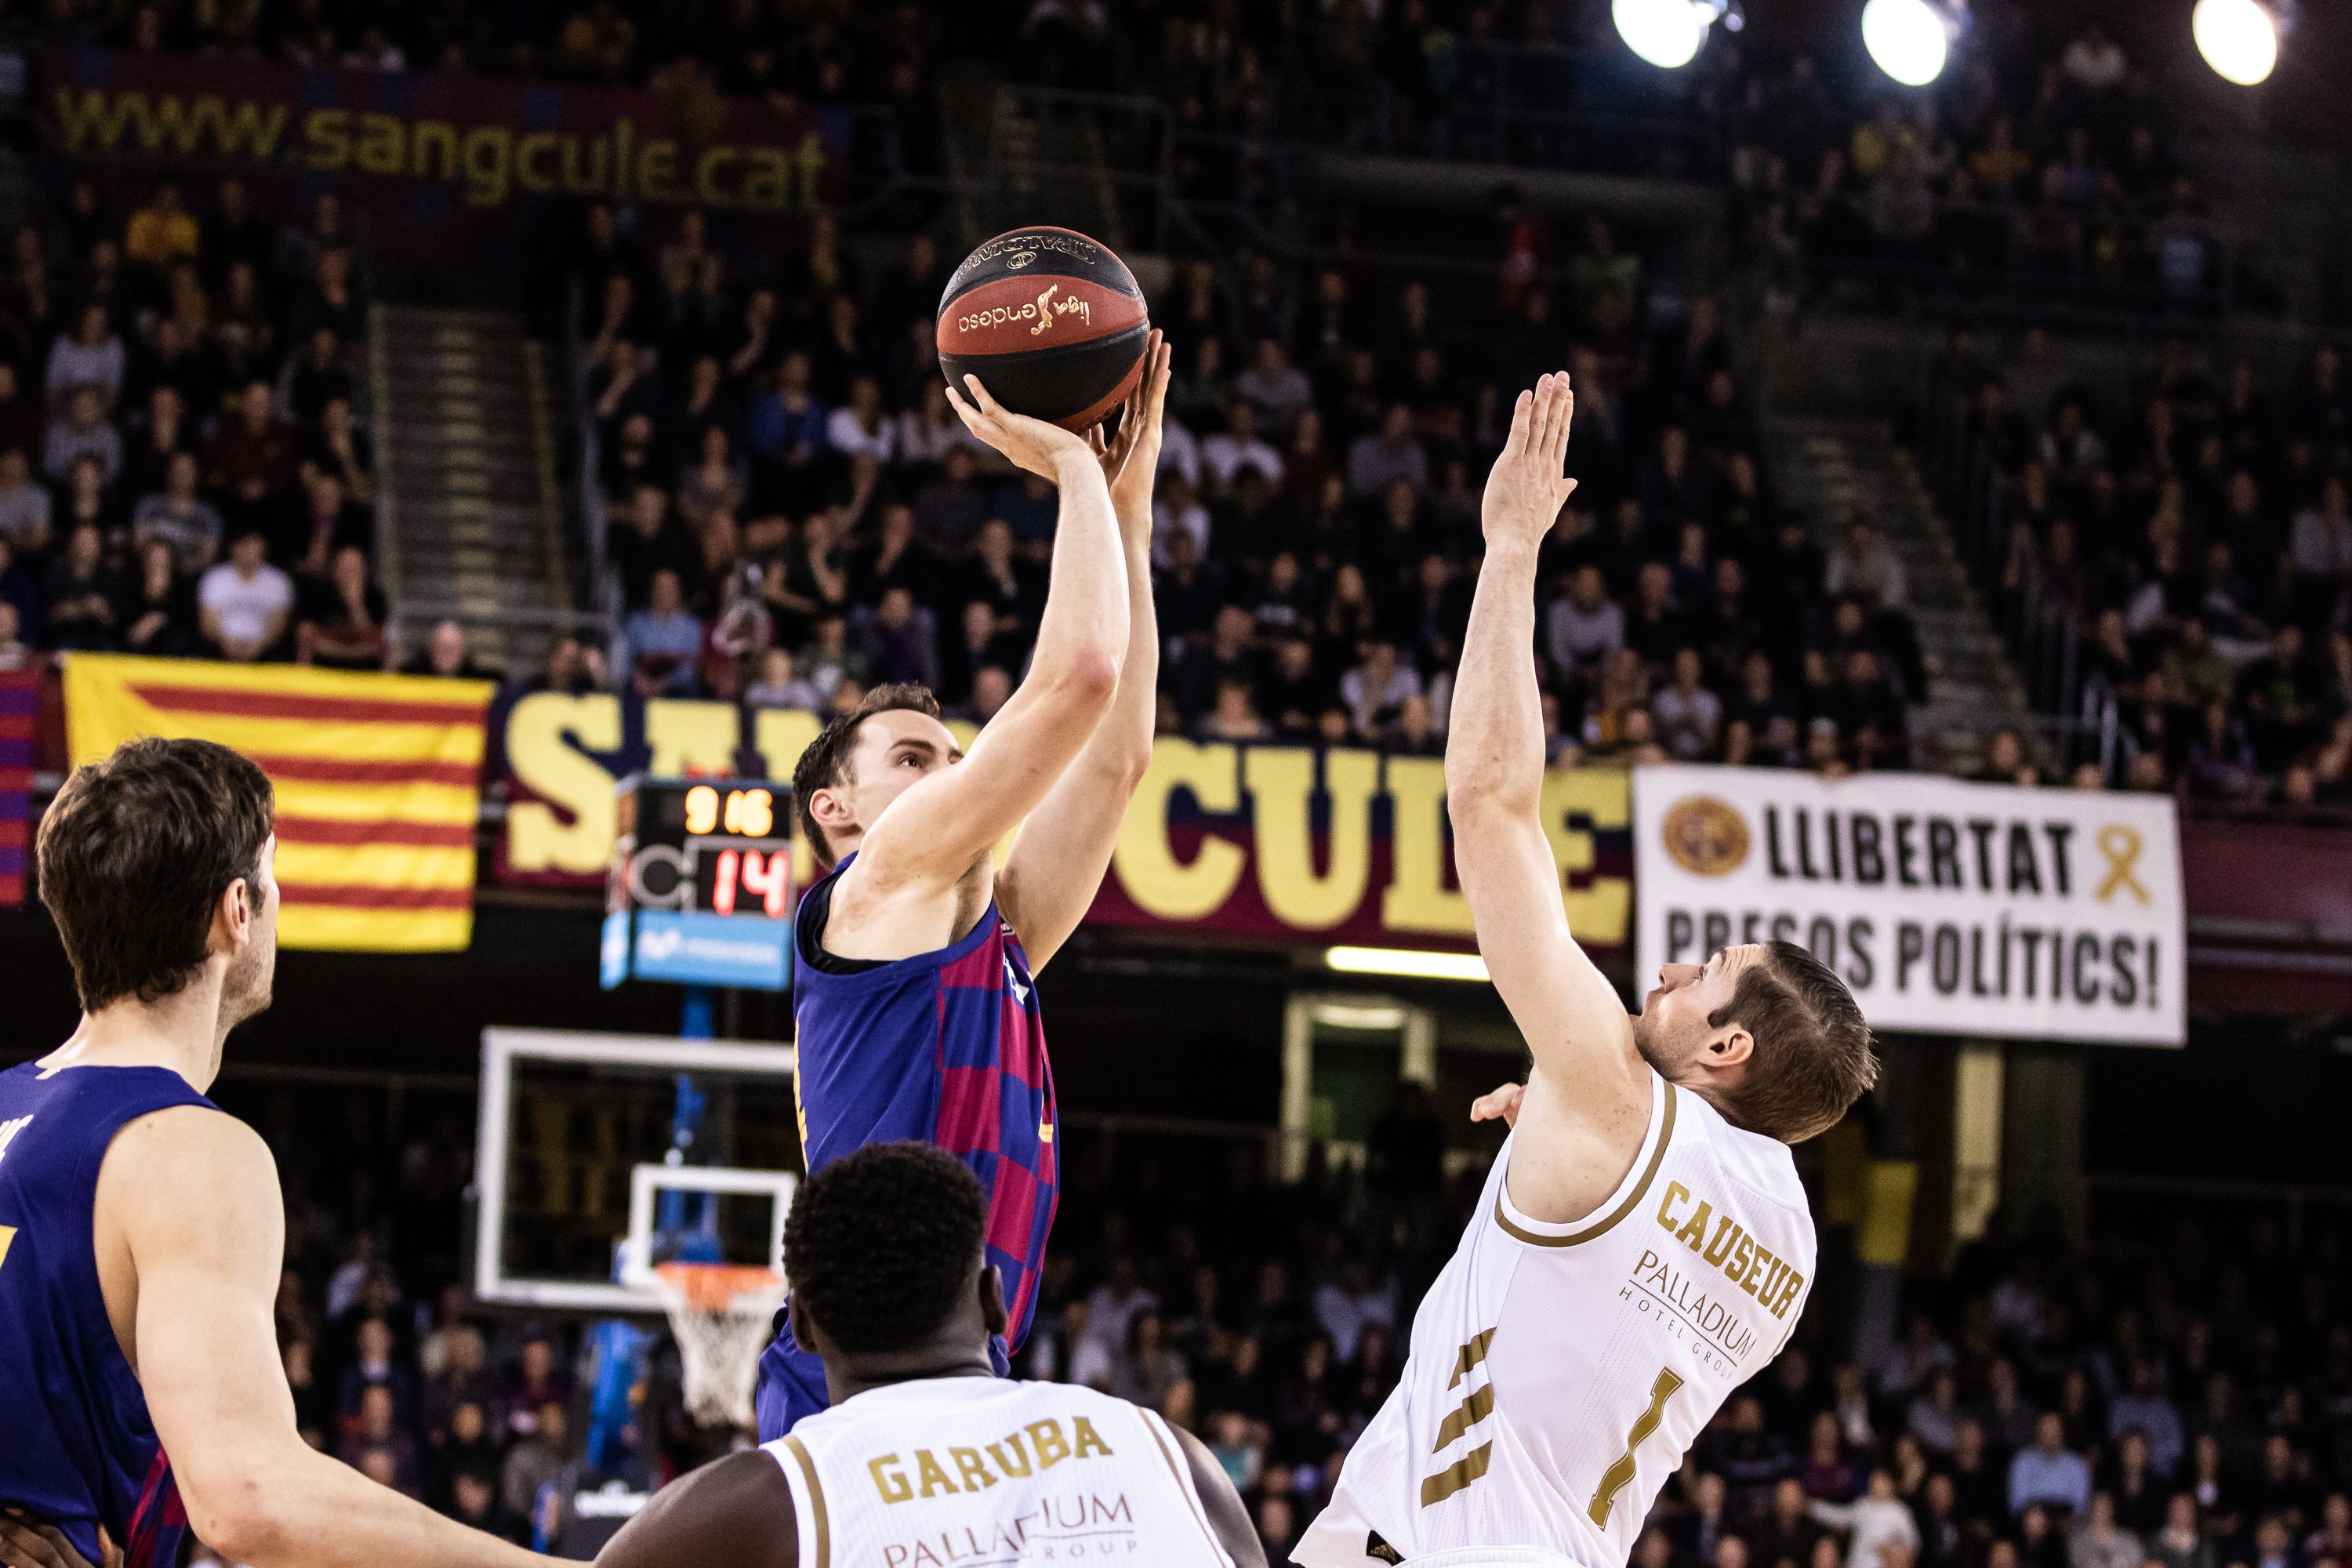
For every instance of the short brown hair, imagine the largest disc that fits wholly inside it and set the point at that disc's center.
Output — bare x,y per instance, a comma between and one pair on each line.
1811,1059
827,762
135,852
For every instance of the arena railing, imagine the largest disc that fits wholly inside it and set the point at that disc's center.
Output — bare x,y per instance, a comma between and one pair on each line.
599,591
2076,718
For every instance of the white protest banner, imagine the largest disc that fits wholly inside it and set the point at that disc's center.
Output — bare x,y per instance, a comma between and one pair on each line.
1949,907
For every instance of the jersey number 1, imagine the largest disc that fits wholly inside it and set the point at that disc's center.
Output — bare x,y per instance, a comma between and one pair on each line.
1618,1475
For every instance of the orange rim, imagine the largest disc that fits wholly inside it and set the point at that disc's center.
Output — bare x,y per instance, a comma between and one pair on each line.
716,1287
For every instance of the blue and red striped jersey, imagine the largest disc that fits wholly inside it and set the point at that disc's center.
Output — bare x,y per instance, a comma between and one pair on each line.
948,1048
80,1451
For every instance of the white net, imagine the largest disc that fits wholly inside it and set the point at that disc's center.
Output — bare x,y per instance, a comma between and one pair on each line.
720,1316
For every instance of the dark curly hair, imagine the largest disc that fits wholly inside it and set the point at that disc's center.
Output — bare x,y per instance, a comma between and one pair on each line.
880,1245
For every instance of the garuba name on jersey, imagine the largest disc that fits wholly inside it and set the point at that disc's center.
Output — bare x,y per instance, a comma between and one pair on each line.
971,1472
1559,1373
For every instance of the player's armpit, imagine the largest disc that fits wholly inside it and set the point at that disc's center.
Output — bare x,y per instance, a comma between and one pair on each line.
1229,1520
737,1510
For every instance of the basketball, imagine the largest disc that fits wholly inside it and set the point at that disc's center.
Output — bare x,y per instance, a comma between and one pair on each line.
1051,321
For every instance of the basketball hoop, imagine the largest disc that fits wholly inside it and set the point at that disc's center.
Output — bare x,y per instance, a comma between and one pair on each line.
721,1316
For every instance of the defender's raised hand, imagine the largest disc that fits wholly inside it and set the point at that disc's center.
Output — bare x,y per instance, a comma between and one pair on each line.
1527,486
1030,443
1130,458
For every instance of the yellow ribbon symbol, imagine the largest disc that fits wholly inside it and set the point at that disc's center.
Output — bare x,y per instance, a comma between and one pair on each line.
2121,846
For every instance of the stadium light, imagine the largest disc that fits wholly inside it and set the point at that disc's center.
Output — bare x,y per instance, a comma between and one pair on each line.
1911,39
1668,33
1405,961
2239,38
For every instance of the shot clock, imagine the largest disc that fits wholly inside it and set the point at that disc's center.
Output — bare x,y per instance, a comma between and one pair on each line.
702,883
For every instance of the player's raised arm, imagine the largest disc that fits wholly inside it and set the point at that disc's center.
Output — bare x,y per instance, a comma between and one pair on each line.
193,1195
1058,863
931,834
1570,1014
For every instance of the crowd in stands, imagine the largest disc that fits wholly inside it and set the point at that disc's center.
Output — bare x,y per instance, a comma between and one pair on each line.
2191,529
795,512
184,468
2185,1403
2046,174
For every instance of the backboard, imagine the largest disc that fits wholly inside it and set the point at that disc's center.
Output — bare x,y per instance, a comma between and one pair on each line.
579,1184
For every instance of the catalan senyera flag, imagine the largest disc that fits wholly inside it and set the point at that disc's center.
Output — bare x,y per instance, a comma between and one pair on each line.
378,779
20,696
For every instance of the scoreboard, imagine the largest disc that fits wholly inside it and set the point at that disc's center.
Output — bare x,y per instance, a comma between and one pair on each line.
700,888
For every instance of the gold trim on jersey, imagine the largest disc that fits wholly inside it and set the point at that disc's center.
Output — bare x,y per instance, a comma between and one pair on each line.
816,1503
1649,1175
1457,1475
1464,1415
1470,1355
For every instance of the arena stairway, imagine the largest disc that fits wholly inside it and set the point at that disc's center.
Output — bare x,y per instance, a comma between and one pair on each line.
469,513
1828,465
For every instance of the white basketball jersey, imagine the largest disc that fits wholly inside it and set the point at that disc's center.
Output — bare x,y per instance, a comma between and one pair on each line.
1559,1371
979,1470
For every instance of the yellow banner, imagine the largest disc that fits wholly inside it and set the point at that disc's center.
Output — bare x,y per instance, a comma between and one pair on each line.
1257,844
378,783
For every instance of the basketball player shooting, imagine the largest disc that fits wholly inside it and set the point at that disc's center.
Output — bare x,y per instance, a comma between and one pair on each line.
142,1230
1643,1246
915,996
925,1455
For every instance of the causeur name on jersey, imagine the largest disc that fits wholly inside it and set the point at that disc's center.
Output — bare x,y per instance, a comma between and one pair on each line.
1742,1259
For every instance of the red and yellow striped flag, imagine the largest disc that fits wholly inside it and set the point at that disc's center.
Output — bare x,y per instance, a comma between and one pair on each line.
378,780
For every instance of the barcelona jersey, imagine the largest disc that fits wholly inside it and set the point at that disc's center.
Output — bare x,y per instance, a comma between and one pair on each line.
79,1451
947,1049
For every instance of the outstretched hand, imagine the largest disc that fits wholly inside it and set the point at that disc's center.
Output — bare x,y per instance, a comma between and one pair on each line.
1527,486
1130,460
1031,444
1503,1103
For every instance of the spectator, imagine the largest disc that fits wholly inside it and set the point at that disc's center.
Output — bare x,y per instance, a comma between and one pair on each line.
251,459
92,358
1377,460
341,619
2144,1408
447,656
176,516
244,604
375,1435
1584,627
81,593
2049,1472
897,640
24,505
158,614
1689,717
535,1461
780,687
661,642
1878,1518
1237,449
1375,689
1276,390
82,433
